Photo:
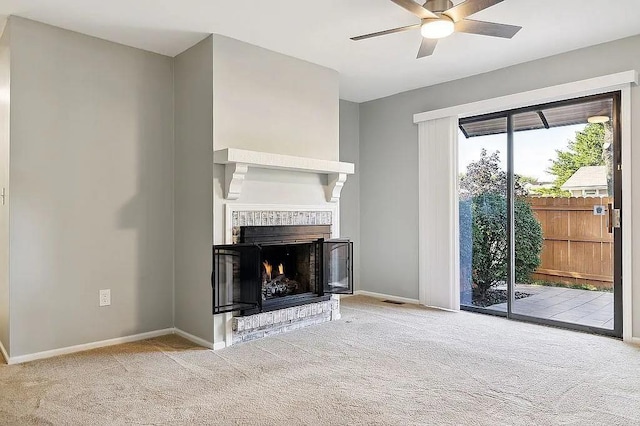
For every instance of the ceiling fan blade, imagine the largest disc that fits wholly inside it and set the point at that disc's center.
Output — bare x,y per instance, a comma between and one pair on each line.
469,7
427,47
385,32
487,28
415,8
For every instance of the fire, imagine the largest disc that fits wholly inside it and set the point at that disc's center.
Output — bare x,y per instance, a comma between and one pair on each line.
267,268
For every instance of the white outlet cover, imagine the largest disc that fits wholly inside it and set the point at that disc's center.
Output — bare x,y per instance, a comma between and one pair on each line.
105,297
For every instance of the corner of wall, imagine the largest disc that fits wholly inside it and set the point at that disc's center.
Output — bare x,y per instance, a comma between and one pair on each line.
3,24
193,189
5,117
349,143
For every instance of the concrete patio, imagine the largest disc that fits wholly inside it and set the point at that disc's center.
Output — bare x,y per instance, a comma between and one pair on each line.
585,307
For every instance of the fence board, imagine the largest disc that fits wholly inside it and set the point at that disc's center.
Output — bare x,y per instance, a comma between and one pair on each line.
577,248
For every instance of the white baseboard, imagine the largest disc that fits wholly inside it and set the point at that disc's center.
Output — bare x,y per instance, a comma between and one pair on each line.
88,346
386,297
633,341
5,355
195,339
442,309
219,345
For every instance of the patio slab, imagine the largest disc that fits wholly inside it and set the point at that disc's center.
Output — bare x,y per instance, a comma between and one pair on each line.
585,307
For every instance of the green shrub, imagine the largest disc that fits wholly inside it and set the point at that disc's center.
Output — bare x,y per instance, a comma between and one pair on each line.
528,241
466,251
490,247
483,227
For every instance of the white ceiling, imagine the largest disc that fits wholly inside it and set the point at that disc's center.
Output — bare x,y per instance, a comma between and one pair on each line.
319,31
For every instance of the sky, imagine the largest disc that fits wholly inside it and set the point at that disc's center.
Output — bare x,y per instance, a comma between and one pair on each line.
533,149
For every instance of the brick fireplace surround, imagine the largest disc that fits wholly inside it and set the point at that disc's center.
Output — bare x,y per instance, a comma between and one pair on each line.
246,328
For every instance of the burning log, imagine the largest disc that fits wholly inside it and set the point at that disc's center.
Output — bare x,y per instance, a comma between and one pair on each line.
279,286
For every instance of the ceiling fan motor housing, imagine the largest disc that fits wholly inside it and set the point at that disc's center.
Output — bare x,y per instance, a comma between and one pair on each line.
438,5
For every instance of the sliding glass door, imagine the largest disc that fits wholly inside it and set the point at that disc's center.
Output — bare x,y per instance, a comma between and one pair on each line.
483,215
540,199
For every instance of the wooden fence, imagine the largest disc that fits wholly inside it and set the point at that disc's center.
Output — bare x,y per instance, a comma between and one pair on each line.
577,248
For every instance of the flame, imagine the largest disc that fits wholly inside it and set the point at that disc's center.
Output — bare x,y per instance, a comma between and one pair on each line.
280,269
268,268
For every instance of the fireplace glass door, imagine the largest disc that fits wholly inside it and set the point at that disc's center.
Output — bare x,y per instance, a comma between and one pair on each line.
338,270
236,278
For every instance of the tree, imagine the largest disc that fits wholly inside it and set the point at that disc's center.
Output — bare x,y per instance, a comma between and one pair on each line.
485,175
585,150
483,226
528,180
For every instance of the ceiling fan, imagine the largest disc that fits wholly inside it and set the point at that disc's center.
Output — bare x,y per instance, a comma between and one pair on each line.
440,18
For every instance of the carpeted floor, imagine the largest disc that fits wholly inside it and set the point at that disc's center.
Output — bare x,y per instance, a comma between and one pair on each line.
381,364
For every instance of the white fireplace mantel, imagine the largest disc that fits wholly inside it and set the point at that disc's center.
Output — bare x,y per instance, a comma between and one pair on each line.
238,161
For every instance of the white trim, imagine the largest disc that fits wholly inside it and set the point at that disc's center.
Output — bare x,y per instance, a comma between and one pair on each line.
267,160
574,89
395,299
88,346
5,355
627,230
234,174
442,309
219,345
238,161
194,339
335,183
385,297
228,330
633,341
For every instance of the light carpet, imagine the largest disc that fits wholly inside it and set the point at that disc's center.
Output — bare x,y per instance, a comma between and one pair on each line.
382,364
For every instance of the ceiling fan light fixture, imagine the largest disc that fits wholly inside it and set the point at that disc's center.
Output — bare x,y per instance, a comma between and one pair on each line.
598,119
441,18
437,28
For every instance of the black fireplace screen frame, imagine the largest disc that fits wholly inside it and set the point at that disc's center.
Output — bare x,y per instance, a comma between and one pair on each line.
239,261
237,275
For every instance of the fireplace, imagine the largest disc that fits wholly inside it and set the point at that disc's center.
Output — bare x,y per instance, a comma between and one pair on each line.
287,270
277,267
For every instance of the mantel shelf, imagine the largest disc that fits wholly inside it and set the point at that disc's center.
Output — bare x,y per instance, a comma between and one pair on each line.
238,161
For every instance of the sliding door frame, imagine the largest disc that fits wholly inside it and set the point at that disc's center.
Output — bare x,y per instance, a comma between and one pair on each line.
618,255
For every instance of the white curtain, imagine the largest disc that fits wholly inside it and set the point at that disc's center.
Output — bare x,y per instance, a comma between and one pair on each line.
438,232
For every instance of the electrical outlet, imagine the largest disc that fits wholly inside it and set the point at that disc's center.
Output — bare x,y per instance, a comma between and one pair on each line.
105,297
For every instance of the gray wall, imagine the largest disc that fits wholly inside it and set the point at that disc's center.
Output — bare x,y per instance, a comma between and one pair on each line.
350,197
92,188
5,62
389,150
269,102
194,189
389,198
